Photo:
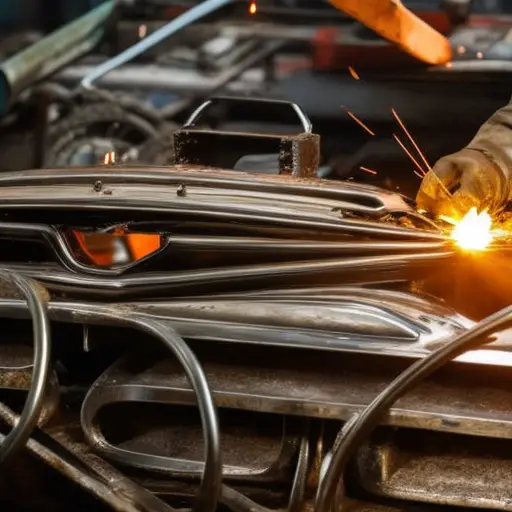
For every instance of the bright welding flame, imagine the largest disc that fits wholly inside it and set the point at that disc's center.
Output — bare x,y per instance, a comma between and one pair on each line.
253,8
473,232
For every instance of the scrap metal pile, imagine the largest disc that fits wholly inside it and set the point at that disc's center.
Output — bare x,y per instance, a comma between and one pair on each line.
204,338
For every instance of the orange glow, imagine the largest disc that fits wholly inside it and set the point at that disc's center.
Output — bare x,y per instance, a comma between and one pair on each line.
98,249
253,8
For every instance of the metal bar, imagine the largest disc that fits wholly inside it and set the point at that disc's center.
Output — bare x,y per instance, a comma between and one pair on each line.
190,16
93,474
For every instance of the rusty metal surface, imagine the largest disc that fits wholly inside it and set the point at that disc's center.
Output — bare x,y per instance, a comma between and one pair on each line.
298,155
438,468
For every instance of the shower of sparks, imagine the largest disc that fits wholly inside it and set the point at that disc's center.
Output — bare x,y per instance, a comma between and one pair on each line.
420,153
353,73
109,158
421,172
473,232
253,8
359,122
369,171
411,138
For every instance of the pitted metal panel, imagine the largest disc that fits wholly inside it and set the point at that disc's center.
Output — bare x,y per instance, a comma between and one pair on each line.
457,471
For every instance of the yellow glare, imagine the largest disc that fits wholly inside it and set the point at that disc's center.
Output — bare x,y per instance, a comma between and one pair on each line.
473,232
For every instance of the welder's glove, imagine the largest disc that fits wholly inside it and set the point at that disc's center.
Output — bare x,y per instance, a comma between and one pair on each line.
479,175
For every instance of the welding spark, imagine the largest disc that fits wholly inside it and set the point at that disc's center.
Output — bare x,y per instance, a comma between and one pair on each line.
253,8
411,138
369,171
479,55
353,73
473,232
359,122
418,150
109,158
421,172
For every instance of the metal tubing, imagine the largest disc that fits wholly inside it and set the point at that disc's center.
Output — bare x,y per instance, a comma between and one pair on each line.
192,15
365,422
37,298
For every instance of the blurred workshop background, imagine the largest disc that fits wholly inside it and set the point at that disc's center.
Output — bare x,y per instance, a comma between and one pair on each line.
351,83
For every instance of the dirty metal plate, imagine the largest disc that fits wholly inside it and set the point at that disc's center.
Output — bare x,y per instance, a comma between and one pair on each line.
333,318
438,468
16,365
326,385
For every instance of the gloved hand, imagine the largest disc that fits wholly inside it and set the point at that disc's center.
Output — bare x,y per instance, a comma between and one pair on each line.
463,180
479,175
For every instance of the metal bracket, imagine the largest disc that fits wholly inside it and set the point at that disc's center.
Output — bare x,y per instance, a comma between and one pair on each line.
298,154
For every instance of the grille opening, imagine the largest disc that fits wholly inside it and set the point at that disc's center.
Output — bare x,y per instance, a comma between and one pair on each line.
436,468
254,445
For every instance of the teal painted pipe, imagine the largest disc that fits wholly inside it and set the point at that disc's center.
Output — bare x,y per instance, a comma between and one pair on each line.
53,52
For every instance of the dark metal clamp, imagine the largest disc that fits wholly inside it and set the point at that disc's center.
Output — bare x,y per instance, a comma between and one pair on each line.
298,154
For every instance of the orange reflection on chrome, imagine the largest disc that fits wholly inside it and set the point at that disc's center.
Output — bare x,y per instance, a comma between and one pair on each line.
118,248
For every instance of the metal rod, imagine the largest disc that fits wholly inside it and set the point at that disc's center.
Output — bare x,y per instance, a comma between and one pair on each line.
192,15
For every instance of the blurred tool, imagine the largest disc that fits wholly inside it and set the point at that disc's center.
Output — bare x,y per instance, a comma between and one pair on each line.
391,20
457,10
